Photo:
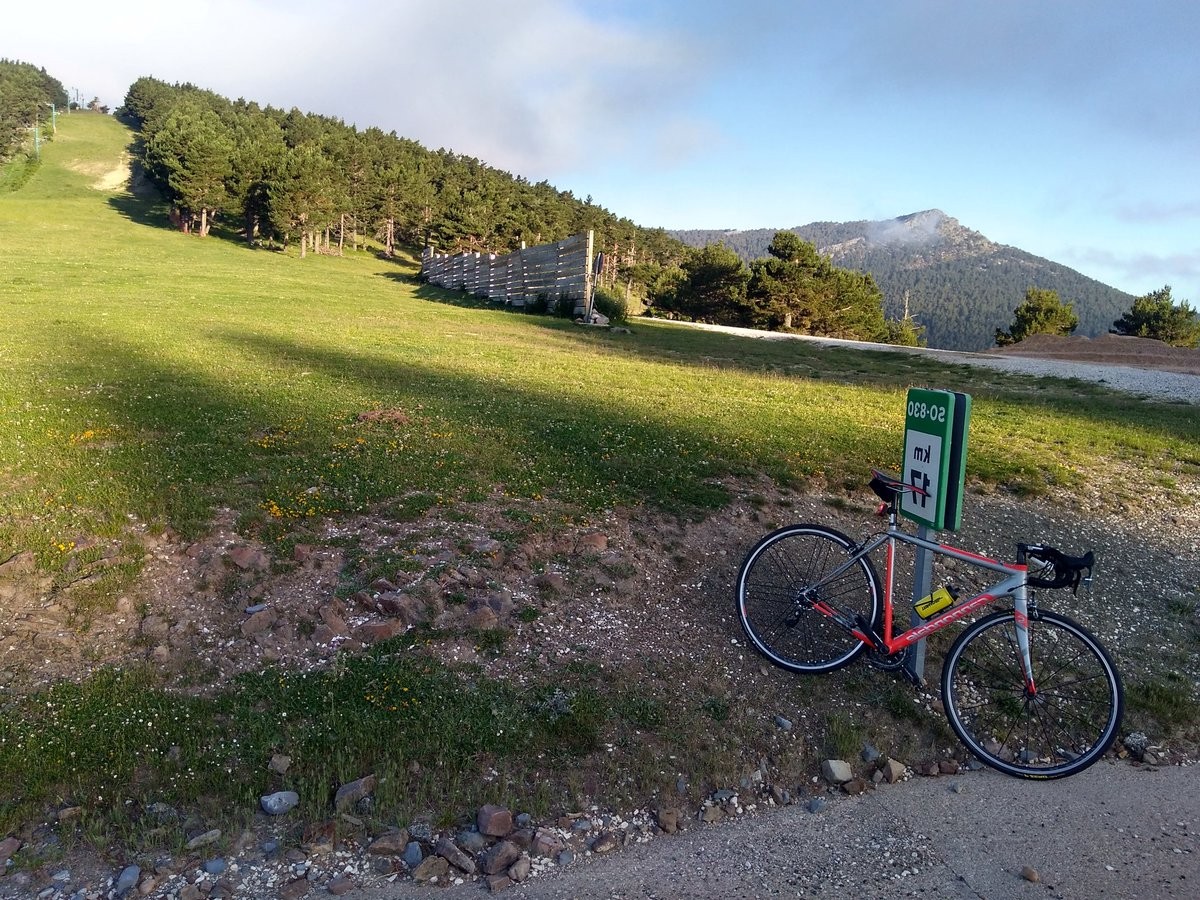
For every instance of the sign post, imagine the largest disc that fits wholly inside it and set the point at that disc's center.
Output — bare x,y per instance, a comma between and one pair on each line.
935,457
935,460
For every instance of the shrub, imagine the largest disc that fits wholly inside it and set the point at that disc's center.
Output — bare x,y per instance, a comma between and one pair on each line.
565,307
612,305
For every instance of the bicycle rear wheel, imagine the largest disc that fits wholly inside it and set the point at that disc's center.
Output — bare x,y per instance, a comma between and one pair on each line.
772,585
1063,726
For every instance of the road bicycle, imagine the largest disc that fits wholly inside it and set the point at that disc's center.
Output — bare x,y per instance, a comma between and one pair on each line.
1028,691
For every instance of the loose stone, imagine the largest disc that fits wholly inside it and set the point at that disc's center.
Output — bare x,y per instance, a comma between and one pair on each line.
430,869
494,821
279,763
893,770
668,819
606,842
127,880
203,840
836,771
547,843
390,844
450,852
519,871
497,883
280,802
855,786
349,794
500,857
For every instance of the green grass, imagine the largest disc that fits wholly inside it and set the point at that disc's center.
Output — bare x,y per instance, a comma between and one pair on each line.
114,740
148,378
1163,705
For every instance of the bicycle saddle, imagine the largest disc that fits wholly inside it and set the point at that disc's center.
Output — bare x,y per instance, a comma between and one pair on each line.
888,487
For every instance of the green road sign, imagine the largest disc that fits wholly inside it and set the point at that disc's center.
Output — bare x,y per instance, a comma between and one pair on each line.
935,456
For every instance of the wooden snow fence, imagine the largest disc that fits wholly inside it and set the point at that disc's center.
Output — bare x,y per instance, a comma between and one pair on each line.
555,272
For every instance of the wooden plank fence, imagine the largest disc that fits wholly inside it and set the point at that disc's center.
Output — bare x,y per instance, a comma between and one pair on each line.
558,271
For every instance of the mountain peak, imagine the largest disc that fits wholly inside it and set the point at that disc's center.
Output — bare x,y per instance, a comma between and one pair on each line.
914,229
954,281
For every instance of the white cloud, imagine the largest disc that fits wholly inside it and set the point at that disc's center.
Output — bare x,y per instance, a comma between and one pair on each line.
533,87
1147,271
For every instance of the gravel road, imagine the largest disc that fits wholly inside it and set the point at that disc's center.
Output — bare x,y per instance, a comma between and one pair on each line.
1116,830
1144,382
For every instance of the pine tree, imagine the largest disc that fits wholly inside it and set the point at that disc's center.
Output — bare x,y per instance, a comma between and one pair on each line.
1041,313
191,153
1155,315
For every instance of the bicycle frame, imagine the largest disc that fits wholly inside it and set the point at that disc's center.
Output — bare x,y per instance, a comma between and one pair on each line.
889,643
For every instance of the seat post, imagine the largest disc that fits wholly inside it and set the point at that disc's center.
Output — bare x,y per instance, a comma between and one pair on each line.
922,581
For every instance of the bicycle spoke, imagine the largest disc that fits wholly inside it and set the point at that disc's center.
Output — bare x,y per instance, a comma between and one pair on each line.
1059,727
780,580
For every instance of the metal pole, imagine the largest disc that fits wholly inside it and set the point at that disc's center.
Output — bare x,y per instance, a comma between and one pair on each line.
922,581
589,281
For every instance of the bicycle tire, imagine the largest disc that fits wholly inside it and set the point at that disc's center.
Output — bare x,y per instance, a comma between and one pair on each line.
1065,727
777,570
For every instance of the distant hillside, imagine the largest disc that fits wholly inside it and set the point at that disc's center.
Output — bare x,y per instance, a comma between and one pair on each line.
960,285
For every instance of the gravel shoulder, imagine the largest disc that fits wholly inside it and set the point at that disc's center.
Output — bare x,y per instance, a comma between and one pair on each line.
1139,371
1113,831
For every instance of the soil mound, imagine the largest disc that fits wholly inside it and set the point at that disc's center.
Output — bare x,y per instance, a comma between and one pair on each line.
1109,350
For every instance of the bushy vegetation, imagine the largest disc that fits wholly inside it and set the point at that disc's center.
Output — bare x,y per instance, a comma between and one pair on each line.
793,289
25,95
1041,313
1155,315
612,305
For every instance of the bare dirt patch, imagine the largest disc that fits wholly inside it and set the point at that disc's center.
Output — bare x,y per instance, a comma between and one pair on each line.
107,177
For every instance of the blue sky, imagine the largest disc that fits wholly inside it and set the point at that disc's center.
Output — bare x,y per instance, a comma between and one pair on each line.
1070,129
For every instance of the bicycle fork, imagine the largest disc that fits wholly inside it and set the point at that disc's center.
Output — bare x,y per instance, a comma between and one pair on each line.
1021,621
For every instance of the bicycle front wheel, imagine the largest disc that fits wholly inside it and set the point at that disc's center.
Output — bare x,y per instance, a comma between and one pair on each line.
1059,727
778,581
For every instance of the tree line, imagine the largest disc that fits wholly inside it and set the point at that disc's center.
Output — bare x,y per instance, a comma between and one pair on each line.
284,176
794,288
25,95
294,176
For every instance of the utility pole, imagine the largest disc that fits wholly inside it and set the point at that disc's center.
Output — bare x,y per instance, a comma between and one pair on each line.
53,119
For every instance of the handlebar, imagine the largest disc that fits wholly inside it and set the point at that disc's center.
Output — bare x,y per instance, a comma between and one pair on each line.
1054,569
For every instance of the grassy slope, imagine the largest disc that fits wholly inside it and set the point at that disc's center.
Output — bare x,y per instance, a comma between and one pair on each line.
147,376
153,373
